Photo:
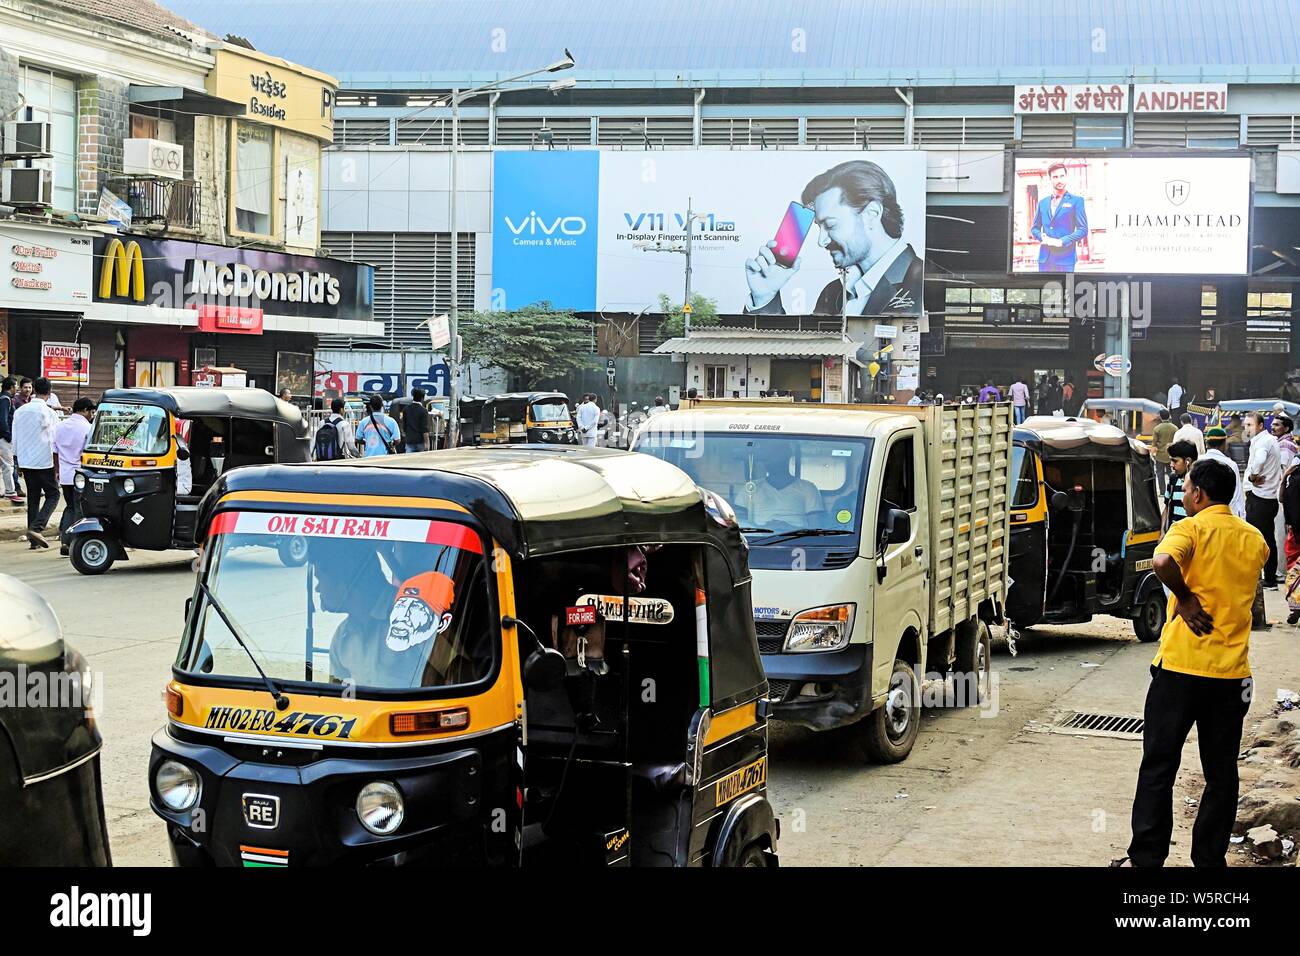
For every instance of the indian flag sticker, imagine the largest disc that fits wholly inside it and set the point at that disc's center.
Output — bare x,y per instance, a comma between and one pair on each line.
261,856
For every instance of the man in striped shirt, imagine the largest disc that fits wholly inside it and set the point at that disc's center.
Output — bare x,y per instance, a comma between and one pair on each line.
1182,455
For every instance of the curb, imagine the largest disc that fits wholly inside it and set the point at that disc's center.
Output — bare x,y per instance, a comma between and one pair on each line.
13,518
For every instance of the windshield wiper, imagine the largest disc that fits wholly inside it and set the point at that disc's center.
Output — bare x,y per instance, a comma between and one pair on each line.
805,533
125,433
757,531
281,702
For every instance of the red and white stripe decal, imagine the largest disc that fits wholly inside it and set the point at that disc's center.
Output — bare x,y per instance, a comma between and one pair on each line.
445,533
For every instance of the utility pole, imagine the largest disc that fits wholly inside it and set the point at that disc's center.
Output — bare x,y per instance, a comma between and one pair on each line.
683,248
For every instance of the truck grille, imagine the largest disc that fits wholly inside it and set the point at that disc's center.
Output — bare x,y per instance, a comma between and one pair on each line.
771,635
777,689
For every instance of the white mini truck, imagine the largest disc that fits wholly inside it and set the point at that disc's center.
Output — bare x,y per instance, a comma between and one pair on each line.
878,539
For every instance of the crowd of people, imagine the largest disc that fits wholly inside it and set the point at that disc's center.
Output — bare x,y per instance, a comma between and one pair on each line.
1050,396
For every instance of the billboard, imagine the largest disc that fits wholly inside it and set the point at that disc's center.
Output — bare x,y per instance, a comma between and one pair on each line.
1132,215
773,231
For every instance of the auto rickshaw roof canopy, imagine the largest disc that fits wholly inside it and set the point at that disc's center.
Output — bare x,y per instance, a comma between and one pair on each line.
1125,405
192,401
1055,437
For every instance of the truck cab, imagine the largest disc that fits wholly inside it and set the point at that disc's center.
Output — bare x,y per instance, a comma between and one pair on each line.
843,515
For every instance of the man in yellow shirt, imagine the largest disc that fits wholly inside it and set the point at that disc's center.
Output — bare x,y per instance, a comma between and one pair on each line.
1210,562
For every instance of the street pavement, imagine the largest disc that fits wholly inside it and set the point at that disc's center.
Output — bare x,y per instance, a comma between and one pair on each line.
984,786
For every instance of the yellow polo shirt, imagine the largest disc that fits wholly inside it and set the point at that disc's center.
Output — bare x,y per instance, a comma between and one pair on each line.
1221,557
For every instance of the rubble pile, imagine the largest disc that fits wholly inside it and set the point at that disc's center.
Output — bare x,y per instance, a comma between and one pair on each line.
1268,813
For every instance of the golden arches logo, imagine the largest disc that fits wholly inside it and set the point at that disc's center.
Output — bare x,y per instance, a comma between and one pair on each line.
127,264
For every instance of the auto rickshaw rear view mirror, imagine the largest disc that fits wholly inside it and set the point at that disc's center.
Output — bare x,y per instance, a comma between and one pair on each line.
1059,500
182,454
544,669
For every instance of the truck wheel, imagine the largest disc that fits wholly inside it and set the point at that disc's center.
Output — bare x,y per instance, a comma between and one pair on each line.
92,553
1150,619
889,732
292,551
971,672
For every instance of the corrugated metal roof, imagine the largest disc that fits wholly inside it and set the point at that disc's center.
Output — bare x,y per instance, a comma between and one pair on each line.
398,39
760,342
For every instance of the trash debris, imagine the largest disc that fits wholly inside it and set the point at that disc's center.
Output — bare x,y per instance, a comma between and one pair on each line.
1013,635
936,808
1287,846
1191,802
1089,664
1237,839
1287,698
901,795
1265,840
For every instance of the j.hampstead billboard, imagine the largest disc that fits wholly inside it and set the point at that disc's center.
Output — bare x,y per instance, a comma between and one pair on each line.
1133,215
775,232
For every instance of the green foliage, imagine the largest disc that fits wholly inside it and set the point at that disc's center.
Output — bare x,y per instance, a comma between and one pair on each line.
704,312
531,343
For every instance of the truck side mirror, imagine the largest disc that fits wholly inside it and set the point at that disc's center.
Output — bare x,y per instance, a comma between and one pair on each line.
897,529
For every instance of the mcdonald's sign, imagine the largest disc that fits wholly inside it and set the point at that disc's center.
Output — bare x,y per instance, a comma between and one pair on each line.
121,271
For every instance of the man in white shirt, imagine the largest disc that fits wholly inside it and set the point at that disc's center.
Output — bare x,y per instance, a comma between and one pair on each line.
70,438
658,408
1175,400
778,497
1264,473
1189,432
1216,439
587,414
33,431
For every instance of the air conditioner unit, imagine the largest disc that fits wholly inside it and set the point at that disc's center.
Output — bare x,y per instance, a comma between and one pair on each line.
27,187
26,139
153,157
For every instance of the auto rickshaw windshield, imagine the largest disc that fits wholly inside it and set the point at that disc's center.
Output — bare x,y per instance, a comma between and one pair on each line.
550,412
385,603
130,429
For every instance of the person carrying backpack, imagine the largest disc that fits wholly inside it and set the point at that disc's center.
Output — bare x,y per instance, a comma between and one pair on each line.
335,438
378,434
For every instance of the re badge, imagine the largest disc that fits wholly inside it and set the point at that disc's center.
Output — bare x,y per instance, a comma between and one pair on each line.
261,811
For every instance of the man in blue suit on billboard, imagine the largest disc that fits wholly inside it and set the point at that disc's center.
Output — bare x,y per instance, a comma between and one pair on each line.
1059,224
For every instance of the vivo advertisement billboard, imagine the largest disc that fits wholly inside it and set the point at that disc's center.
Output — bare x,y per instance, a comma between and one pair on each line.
1132,215
775,232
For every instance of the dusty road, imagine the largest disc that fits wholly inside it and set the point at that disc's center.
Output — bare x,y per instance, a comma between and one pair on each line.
984,786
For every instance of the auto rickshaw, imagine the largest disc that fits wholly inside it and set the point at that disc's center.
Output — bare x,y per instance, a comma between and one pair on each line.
1137,417
128,477
532,417
1084,526
50,783
536,656
471,419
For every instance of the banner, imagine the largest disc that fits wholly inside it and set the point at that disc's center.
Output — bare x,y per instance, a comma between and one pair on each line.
65,362
774,232
1134,215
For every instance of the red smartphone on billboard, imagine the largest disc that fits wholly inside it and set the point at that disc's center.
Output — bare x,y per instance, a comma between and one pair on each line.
790,237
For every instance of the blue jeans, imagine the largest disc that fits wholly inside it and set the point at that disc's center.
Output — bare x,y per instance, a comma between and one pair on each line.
1020,412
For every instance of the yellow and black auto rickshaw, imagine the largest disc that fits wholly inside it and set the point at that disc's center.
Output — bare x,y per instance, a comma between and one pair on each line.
151,455
1084,526
491,656
532,417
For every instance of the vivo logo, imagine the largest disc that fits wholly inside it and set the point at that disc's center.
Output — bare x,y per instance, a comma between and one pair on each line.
534,224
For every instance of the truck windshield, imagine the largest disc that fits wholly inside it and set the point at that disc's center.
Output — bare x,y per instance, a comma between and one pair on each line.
128,429
777,483
385,603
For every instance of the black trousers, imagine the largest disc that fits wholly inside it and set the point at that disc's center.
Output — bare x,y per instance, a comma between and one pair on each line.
41,483
71,512
1175,702
1262,514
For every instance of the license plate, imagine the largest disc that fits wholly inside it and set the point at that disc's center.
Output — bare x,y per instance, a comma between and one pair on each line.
261,811
742,781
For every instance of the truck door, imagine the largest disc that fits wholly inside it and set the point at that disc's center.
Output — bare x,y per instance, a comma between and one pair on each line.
901,596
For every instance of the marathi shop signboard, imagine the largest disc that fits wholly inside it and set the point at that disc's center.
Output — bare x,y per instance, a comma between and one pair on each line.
44,268
1103,98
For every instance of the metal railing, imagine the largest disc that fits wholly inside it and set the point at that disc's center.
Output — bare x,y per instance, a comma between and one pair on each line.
176,202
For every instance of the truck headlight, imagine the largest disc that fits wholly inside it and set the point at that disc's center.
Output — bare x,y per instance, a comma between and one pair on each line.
79,481
821,628
129,486
177,785
380,807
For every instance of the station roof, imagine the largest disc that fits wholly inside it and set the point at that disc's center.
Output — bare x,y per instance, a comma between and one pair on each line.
731,341
401,44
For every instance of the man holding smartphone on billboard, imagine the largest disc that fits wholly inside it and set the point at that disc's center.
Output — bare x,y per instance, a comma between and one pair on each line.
861,227
1060,223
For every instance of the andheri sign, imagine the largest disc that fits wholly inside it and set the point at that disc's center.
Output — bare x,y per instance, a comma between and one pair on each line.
166,273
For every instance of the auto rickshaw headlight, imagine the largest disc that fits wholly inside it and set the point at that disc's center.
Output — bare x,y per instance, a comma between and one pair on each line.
129,486
380,807
177,785
79,481
821,628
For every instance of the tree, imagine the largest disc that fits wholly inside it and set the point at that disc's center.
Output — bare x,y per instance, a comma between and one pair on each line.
704,311
531,343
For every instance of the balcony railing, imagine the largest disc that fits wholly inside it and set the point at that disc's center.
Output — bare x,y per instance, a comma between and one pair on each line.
175,202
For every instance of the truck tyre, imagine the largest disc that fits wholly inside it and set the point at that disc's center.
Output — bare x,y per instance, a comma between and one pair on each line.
972,669
1150,618
889,732
92,553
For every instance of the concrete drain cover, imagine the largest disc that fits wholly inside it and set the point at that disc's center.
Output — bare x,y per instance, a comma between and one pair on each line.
1100,725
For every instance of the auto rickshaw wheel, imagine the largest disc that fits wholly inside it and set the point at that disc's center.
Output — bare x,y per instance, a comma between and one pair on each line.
972,670
1150,618
92,553
292,551
753,855
889,732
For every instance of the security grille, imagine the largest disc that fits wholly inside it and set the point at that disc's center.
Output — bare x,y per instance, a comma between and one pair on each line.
1100,725
862,131
412,281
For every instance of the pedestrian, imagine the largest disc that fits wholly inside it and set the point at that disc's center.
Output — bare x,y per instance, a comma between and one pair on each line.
1182,455
586,416
415,422
1175,398
33,430
1264,474
1215,450
378,434
1236,430
1280,428
1019,399
1161,438
990,392
1187,431
1291,542
286,396
8,471
70,437
1201,673
334,438
658,408
24,393
1067,395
